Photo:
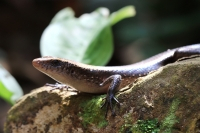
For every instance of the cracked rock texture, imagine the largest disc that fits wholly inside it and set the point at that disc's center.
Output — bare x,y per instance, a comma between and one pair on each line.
170,96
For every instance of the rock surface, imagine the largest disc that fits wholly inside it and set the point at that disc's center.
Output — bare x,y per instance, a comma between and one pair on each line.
166,100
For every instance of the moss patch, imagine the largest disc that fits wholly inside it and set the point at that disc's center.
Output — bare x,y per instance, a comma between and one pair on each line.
146,126
92,113
141,126
171,118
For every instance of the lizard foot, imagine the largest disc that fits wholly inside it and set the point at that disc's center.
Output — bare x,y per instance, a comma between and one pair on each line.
109,104
114,81
60,87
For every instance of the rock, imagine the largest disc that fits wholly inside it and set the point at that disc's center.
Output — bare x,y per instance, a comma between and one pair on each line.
166,100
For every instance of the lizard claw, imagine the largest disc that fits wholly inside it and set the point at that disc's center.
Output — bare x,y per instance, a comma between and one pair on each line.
109,104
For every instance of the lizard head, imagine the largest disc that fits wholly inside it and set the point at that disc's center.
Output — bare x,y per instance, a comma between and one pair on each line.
57,68
65,71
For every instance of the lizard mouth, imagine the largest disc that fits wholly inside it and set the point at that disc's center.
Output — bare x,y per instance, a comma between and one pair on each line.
38,62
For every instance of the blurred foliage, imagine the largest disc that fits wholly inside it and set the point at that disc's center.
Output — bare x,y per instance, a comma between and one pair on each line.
87,39
158,25
9,88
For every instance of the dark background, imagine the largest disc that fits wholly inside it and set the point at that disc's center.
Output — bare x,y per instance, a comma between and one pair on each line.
157,26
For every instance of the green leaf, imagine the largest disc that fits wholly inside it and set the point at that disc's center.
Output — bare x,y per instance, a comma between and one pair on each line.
128,11
9,88
87,39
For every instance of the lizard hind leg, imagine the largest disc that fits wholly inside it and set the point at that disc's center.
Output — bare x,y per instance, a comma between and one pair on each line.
114,81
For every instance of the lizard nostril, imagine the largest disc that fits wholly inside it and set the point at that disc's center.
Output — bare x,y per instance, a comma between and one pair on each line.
36,63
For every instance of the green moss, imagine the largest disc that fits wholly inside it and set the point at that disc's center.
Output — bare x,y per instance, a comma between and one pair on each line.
142,126
146,126
92,113
170,119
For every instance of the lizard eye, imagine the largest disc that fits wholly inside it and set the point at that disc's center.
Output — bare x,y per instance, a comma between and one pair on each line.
56,63
72,71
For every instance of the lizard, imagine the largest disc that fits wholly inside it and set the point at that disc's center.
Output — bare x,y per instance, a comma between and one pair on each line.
107,79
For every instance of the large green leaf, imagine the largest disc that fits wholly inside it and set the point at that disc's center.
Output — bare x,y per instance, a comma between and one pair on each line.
87,39
9,88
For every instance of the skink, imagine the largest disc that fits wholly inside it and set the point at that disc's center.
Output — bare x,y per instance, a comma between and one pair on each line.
99,79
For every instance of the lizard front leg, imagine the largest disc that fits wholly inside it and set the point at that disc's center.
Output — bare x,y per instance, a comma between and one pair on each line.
114,81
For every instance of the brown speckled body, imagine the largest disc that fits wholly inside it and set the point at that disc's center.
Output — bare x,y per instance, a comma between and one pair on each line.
87,78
